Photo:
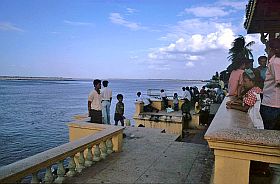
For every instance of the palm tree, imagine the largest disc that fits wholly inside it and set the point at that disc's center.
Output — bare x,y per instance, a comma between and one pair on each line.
240,49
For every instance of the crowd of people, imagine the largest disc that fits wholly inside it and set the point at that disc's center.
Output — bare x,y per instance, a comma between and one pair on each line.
257,90
191,97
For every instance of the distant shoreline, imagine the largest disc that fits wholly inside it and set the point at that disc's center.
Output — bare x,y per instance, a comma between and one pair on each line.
36,78
79,79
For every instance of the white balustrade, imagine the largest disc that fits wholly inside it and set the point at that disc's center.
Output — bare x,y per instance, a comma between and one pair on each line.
48,175
89,157
103,150
97,153
15,172
35,179
109,146
60,173
81,162
71,167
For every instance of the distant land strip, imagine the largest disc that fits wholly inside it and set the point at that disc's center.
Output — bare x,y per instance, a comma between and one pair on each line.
35,78
84,79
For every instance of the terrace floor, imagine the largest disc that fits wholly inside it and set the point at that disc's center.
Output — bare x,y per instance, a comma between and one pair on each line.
150,156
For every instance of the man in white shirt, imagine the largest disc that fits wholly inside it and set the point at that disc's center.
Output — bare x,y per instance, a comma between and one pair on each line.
147,104
164,98
106,98
94,103
187,95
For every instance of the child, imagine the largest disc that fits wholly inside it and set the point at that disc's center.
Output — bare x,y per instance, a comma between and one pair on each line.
251,99
262,60
169,109
119,110
176,102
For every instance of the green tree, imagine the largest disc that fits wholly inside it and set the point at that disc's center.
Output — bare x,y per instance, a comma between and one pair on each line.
240,49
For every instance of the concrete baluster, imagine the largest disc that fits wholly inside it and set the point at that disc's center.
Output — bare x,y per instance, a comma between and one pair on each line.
48,175
60,173
103,150
81,161
71,167
275,173
89,157
18,181
96,153
35,179
109,146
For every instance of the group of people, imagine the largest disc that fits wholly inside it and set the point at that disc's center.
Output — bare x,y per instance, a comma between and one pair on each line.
258,89
99,103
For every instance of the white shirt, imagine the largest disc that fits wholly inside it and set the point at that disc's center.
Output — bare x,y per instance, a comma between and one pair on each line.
95,100
106,93
145,100
187,95
139,99
163,94
271,93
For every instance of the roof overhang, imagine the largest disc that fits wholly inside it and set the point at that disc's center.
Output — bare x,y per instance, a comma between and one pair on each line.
262,16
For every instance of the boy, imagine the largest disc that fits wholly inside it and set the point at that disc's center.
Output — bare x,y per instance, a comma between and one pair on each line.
94,103
262,60
119,110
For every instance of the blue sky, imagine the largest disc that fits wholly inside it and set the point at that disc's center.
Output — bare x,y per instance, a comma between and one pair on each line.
149,39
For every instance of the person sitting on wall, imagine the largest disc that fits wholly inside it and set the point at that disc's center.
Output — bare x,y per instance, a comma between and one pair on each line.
169,109
186,108
147,103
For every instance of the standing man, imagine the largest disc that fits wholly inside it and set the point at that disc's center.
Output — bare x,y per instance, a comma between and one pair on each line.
94,103
106,98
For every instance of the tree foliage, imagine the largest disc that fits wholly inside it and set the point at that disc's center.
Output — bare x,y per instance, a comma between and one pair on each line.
240,49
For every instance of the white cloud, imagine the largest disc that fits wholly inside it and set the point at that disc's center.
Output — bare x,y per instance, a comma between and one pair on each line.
7,26
193,48
239,5
131,10
72,23
116,18
207,11
189,64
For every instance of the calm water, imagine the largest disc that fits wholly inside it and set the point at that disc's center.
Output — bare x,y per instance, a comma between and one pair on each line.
34,113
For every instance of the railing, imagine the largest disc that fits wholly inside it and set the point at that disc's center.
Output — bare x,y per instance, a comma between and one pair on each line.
236,143
79,154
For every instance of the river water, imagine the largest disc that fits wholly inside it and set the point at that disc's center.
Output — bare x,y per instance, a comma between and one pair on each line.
34,113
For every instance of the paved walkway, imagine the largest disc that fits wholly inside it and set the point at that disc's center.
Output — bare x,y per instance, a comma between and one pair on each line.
150,156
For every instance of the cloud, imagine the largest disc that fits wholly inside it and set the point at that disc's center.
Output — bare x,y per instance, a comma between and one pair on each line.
196,44
194,47
116,18
189,64
131,10
207,11
7,26
72,23
239,5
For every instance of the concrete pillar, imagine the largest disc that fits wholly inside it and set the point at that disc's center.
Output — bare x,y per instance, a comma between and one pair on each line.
231,170
117,142
139,106
275,173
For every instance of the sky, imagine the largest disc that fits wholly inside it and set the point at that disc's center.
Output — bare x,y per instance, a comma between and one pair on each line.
127,39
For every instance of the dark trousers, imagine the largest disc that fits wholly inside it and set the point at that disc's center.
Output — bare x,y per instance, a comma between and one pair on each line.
165,102
271,117
176,107
117,118
95,116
